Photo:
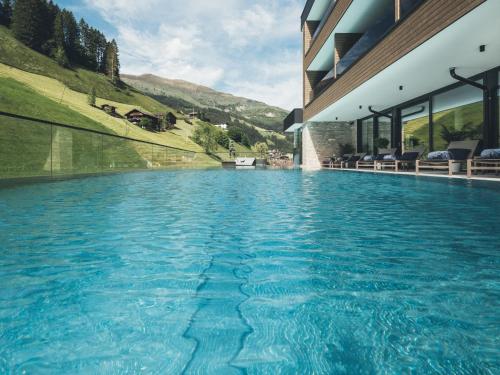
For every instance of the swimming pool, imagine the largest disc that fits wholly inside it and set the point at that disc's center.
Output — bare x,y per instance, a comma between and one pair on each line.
258,272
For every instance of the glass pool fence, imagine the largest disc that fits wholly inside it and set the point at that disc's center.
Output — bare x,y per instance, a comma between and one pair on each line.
37,148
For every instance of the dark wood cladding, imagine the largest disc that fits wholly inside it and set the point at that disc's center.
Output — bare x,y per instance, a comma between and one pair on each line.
428,20
337,13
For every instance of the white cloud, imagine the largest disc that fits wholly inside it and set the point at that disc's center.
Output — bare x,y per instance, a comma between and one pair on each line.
250,48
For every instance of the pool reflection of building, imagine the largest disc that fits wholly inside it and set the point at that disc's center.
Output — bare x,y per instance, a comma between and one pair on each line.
383,69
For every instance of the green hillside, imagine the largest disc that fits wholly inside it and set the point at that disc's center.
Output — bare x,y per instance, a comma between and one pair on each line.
34,85
258,121
186,94
16,54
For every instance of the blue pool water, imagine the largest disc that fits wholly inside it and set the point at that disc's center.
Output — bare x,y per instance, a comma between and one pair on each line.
258,272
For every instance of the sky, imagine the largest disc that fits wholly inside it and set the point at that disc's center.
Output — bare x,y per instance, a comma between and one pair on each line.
249,48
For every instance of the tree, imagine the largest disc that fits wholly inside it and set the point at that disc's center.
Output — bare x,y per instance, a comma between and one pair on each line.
6,13
62,60
235,134
112,62
146,123
205,136
262,149
29,22
245,141
222,138
91,98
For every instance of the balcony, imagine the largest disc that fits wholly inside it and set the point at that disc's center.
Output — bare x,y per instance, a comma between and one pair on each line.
369,39
323,20
293,121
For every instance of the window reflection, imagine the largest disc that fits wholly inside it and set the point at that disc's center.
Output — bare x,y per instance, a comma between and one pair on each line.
458,115
367,135
384,130
416,127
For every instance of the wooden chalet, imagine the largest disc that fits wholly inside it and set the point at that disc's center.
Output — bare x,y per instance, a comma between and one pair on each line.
136,115
171,119
110,110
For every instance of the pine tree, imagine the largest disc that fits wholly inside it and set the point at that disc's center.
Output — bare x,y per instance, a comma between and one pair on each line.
71,35
112,62
5,13
58,36
91,99
29,22
61,58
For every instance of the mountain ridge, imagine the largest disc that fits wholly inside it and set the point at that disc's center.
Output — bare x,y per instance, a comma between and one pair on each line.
187,96
196,86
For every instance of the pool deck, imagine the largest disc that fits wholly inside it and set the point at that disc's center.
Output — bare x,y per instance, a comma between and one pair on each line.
461,176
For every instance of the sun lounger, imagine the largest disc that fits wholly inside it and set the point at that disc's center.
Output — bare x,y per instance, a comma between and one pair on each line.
458,153
405,161
351,162
339,162
371,161
488,161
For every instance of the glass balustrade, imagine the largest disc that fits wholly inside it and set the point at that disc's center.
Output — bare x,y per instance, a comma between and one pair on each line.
371,37
32,148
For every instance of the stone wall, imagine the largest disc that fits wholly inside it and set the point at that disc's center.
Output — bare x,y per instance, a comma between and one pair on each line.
322,140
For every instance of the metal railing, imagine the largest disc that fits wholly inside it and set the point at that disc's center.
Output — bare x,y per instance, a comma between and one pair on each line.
32,147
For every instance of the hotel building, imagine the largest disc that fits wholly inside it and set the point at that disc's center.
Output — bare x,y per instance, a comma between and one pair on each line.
417,73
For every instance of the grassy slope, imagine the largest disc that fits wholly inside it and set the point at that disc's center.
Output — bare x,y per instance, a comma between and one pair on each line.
16,54
200,96
68,88
18,98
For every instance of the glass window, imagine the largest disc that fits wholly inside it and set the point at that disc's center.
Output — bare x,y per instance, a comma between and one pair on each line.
415,120
384,130
407,6
457,115
367,136
498,112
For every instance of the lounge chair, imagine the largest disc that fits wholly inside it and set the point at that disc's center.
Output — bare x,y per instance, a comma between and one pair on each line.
371,161
405,161
458,152
339,162
351,162
488,161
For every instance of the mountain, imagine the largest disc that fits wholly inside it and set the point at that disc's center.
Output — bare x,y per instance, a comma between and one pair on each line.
222,107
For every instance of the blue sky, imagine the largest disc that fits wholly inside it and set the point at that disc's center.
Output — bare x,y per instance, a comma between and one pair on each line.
249,48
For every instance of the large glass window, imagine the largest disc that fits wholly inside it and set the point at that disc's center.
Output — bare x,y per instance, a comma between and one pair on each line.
457,116
415,127
384,131
407,6
367,135
498,112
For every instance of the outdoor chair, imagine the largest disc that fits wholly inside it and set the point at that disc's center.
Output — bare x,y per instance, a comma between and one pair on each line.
451,160
339,162
372,161
351,162
488,161
405,161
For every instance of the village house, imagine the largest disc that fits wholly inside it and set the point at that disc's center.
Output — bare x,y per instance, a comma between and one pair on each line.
110,110
137,117
221,126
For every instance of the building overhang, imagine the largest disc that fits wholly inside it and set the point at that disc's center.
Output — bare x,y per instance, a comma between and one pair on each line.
293,121
426,68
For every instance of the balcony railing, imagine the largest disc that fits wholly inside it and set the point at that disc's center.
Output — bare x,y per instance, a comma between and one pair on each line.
371,37
326,81
324,19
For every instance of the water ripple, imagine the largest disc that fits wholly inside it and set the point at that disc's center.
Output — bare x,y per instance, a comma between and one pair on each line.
222,272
